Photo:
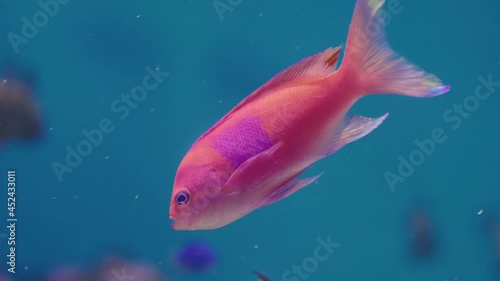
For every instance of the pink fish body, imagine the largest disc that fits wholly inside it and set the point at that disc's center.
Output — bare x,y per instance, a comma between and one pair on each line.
253,156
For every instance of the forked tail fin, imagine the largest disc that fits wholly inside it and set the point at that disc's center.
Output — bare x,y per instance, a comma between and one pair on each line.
375,66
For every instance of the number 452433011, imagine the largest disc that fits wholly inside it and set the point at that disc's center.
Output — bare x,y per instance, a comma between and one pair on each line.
11,192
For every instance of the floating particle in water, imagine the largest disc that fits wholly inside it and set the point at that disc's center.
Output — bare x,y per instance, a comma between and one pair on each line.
121,45
196,256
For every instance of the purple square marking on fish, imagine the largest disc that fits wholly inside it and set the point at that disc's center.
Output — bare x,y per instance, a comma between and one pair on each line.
243,141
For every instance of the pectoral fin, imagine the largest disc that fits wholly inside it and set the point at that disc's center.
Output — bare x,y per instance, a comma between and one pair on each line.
258,167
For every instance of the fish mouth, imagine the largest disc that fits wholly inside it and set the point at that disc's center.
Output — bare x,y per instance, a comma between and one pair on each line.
181,223
173,223
179,226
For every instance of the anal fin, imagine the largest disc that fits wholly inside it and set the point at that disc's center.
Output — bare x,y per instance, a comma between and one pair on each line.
353,129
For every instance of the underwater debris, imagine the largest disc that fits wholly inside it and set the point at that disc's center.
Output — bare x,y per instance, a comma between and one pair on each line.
112,267
492,228
119,268
19,115
496,245
423,240
68,273
196,257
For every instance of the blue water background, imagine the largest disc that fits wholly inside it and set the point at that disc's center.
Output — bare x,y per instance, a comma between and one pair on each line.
91,52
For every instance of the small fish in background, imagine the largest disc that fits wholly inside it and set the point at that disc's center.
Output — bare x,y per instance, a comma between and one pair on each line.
254,155
106,266
492,227
196,257
19,114
496,245
66,273
33,273
4,277
423,238
261,276
115,267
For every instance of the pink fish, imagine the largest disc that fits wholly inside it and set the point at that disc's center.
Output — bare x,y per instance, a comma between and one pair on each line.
253,156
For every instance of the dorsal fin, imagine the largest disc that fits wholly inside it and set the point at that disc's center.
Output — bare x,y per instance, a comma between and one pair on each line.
309,69
315,67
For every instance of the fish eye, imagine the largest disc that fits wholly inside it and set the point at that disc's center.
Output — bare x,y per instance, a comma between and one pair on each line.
182,198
